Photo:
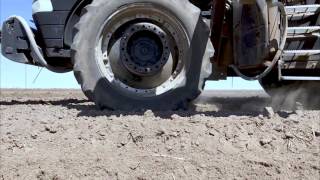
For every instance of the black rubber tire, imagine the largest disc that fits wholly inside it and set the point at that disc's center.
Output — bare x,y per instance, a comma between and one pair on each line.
104,94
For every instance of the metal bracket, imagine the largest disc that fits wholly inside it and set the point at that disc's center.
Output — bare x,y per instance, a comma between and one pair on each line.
19,44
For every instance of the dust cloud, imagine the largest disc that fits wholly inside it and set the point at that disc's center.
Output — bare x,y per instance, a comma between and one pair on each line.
297,96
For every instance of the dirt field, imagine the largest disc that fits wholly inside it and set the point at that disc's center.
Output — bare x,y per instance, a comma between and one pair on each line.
58,134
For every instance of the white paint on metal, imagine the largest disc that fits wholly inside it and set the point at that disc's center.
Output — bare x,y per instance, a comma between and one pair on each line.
300,78
301,52
42,6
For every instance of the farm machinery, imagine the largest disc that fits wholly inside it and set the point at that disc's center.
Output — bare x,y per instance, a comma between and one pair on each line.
158,54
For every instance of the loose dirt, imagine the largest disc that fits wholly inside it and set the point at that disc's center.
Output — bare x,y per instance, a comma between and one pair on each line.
58,134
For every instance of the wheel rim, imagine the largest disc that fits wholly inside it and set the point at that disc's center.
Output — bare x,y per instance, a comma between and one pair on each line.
145,49
142,49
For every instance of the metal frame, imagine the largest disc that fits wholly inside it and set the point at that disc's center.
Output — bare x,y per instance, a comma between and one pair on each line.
217,21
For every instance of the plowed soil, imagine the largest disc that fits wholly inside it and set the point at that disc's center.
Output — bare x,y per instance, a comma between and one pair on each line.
58,134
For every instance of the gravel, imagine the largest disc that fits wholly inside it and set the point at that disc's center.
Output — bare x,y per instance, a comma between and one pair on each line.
58,134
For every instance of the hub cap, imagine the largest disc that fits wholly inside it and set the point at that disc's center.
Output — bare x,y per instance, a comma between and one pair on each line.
144,49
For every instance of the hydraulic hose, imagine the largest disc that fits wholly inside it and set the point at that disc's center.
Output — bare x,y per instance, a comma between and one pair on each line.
278,53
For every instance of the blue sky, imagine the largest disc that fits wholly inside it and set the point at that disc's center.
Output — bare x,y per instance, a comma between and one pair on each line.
14,75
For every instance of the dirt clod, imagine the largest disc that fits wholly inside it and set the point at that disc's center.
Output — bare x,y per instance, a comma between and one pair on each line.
149,113
265,141
51,129
269,112
34,135
288,135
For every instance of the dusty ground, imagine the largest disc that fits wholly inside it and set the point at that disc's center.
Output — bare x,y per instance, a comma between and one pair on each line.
226,135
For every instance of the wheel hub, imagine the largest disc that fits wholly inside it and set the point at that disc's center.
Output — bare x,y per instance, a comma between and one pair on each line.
144,49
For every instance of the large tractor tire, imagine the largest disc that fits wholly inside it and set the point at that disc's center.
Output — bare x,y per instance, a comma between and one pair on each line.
141,54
